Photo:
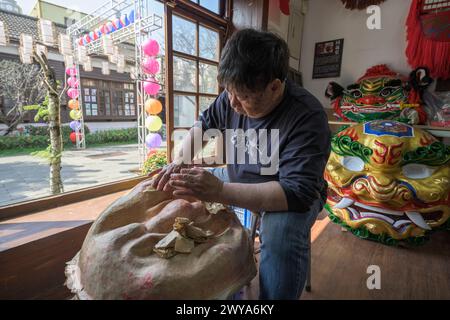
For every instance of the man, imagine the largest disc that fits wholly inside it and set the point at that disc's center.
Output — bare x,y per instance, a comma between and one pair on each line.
253,70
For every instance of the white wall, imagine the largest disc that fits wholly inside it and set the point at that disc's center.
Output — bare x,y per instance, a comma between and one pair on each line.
363,48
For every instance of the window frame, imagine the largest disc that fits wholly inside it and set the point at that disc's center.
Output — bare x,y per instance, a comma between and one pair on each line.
205,18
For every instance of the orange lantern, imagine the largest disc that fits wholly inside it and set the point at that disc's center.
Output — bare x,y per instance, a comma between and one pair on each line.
153,106
73,104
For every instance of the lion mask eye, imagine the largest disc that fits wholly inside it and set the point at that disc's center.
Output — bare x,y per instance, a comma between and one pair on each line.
354,164
417,171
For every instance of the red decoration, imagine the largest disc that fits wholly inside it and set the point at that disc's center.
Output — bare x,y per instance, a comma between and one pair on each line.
284,6
429,46
73,137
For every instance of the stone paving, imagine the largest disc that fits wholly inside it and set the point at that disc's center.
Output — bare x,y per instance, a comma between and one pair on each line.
26,177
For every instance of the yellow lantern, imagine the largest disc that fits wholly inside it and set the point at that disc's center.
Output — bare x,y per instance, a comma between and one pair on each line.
75,114
153,123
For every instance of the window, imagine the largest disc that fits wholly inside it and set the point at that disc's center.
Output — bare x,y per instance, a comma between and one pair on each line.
68,21
211,5
195,67
108,99
196,41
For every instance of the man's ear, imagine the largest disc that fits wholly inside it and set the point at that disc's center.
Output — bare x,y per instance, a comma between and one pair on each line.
276,85
333,90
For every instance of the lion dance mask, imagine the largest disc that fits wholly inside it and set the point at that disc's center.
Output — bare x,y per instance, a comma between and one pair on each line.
381,94
388,181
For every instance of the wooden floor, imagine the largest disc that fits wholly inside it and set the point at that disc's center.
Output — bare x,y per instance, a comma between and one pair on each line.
340,261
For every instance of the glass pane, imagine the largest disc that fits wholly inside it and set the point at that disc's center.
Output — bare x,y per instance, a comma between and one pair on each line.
93,92
94,99
205,102
212,5
184,35
86,91
184,71
87,98
184,111
178,136
209,44
208,78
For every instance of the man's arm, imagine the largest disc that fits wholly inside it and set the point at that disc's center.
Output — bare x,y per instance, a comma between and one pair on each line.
200,183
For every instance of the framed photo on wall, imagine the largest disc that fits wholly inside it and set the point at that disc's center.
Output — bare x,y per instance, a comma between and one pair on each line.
328,59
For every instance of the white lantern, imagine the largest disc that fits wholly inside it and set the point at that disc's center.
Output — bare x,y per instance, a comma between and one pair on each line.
68,61
105,67
108,46
41,50
120,63
46,31
82,53
65,45
3,34
87,65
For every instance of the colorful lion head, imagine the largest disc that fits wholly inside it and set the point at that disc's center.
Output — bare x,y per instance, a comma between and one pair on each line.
381,94
388,181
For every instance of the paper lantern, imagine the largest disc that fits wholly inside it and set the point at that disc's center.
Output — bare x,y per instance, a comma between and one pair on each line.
80,41
153,140
71,71
75,114
150,66
73,82
72,93
151,88
150,47
73,104
153,106
75,125
125,20
153,123
111,26
73,137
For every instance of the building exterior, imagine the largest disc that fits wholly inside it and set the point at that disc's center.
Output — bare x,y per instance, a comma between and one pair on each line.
109,101
10,5
55,13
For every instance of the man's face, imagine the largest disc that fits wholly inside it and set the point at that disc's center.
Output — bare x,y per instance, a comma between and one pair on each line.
254,104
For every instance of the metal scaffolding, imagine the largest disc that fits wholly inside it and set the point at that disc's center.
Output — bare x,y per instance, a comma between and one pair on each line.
144,23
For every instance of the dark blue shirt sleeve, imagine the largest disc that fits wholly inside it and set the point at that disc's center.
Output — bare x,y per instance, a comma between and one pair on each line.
303,160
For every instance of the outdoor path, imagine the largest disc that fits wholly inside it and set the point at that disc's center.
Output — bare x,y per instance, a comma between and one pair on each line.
26,177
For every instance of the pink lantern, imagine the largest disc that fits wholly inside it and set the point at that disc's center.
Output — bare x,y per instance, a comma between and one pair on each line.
80,41
151,88
87,38
72,93
71,71
150,66
150,47
73,82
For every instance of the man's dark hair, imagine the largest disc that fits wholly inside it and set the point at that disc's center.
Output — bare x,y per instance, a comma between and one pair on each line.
251,59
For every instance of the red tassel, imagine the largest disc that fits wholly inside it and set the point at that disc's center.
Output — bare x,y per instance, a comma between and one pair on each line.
284,6
425,52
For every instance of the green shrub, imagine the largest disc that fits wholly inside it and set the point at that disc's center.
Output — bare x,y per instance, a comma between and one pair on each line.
37,138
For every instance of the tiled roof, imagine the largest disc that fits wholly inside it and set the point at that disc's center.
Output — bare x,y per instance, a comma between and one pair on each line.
19,23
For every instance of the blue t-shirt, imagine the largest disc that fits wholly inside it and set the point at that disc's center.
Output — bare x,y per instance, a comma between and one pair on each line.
304,144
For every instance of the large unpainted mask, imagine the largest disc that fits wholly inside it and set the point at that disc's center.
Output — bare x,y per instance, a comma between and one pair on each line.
147,245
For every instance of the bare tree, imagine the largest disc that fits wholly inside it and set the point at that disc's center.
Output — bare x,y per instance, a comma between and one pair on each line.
53,117
20,85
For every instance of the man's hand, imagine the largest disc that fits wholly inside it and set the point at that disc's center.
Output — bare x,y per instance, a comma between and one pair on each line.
160,181
198,183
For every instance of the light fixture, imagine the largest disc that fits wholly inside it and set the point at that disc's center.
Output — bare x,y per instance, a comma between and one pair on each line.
3,34
65,45
105,68
46,31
